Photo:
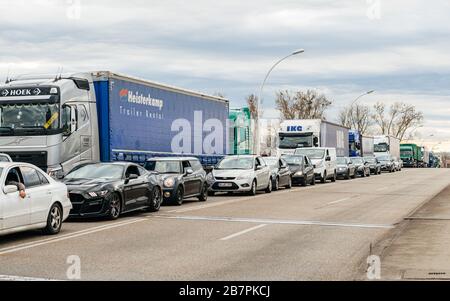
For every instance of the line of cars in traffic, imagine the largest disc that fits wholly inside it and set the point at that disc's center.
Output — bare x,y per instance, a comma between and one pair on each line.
31,199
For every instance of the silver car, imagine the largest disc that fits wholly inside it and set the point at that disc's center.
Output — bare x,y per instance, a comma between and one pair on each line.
240,174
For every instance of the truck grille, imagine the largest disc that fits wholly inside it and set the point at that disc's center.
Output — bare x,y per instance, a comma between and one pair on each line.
36,158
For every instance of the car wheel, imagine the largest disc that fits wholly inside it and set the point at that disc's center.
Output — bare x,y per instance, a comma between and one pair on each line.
354,175
54,220
303,182
253,188
115,206
289,185
276,184
333,179
155,200
203,197
313,180
177,199
269,186
347,176
369,174
324,178
211,193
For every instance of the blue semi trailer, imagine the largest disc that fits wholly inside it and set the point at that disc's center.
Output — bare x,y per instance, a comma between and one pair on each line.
59,122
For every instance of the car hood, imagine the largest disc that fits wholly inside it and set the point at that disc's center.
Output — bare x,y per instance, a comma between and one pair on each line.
87,184
295,168
316,161
342,166
230,173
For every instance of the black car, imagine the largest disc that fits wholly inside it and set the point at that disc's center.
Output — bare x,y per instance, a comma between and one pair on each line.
301,168
345,168
110,189
182,178
362,167
281,174
374,164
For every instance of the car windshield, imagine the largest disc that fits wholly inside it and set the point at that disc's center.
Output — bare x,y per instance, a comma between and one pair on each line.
164,166
29,116
311,153
293,160
271,161
384,158
341,161
97,171
358,160
236,163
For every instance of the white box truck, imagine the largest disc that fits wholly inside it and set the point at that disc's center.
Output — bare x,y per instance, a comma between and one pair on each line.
387,145
305,133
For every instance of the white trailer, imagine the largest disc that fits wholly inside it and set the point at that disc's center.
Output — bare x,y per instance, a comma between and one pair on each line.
387,145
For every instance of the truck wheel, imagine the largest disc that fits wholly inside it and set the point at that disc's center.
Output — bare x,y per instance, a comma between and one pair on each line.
54,220
324,178
155,200
269,186
203,197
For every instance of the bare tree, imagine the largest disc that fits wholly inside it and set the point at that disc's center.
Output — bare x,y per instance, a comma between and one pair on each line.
252,103
357,117
302,105
398,120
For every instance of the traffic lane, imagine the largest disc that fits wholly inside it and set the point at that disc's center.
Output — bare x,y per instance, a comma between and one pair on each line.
76,225
157,249
368,201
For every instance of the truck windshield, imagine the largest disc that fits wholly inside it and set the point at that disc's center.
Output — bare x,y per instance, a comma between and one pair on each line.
292,142
311,153
381,148
29,116
406,153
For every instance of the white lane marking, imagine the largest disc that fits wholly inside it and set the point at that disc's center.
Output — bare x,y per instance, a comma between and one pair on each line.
21,278
339,201
29,245
274,221
243,232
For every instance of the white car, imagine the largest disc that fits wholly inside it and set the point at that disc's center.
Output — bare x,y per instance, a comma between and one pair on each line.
5,158
240,174
45,206
324,160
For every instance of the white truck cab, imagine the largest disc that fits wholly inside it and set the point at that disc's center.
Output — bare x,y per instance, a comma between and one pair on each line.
324,160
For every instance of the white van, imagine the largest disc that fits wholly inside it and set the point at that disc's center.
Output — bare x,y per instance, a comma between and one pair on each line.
324,160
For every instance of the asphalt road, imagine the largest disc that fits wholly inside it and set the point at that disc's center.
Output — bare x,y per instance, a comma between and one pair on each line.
322,232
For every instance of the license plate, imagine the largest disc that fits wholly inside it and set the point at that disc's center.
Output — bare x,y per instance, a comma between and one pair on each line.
225,185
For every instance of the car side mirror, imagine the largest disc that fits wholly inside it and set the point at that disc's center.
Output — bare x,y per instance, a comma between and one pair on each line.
10,189
328,158
259,167
131,177
189,171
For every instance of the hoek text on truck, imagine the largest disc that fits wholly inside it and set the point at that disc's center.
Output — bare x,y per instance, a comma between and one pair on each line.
58,123
295,134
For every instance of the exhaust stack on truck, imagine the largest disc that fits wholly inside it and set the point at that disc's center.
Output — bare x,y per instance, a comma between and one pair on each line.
60,123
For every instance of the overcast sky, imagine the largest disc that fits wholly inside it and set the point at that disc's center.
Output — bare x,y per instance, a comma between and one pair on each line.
399,48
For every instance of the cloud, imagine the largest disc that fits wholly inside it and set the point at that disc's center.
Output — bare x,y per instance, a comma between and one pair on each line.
228,46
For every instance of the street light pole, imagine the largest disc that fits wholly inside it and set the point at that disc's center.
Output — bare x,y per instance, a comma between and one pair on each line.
257,136
350,112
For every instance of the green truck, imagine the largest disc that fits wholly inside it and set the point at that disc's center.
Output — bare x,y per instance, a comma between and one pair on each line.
411,155
240,133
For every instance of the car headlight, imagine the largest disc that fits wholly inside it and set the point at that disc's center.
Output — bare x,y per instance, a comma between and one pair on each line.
209,177
299,174
169,182
56,173
96,194
243,177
